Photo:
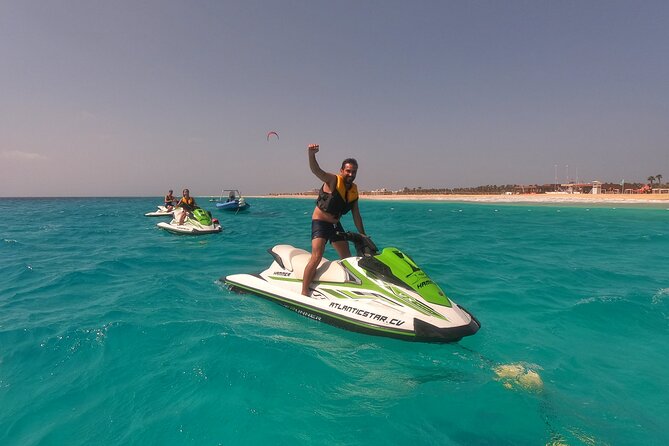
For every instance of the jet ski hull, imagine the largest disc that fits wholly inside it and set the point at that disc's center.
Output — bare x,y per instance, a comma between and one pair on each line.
359,305
186,229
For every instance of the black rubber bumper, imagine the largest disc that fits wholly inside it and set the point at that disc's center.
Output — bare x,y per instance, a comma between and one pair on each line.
426,332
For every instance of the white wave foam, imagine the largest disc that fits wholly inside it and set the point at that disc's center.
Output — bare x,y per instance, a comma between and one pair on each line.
589,300
659,297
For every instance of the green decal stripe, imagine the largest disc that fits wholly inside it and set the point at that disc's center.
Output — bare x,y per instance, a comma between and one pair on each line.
351,295
418,305
378,328
285,279
409,302
369,285
334,293
338,284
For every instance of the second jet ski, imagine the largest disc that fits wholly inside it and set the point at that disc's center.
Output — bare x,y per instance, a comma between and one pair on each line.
198,223
162,211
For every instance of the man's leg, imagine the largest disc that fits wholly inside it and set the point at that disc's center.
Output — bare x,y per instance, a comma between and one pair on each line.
182,217
317,250
342,248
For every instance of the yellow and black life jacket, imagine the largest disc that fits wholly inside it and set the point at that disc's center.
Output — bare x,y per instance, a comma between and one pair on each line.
339,201
187,203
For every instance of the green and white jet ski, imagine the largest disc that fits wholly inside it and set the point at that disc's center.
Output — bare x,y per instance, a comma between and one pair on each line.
199,223
384,293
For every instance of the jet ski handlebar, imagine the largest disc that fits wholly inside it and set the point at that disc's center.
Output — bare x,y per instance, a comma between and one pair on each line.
364,246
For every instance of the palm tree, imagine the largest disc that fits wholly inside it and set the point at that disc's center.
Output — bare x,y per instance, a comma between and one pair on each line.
650,180
658,177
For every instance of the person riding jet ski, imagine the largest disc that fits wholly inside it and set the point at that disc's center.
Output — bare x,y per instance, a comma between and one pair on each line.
170,200
188,204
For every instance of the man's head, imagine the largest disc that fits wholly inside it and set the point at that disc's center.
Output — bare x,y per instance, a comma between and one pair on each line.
349,169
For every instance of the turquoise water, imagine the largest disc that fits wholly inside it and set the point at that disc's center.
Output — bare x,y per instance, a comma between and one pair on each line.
115,332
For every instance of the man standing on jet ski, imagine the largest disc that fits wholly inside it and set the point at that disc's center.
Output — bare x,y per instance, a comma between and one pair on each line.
338,195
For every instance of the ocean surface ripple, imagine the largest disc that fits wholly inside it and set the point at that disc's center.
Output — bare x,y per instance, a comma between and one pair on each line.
115,332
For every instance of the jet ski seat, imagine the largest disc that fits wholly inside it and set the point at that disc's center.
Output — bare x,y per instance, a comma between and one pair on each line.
329,271
296,259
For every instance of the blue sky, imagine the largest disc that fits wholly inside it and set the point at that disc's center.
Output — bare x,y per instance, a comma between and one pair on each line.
124,98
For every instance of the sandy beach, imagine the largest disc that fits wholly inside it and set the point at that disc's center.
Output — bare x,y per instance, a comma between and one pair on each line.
630,199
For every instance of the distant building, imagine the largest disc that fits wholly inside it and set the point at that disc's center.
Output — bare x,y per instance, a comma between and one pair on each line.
382,191
596,187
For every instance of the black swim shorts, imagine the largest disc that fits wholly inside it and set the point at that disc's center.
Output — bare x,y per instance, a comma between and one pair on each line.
328,231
